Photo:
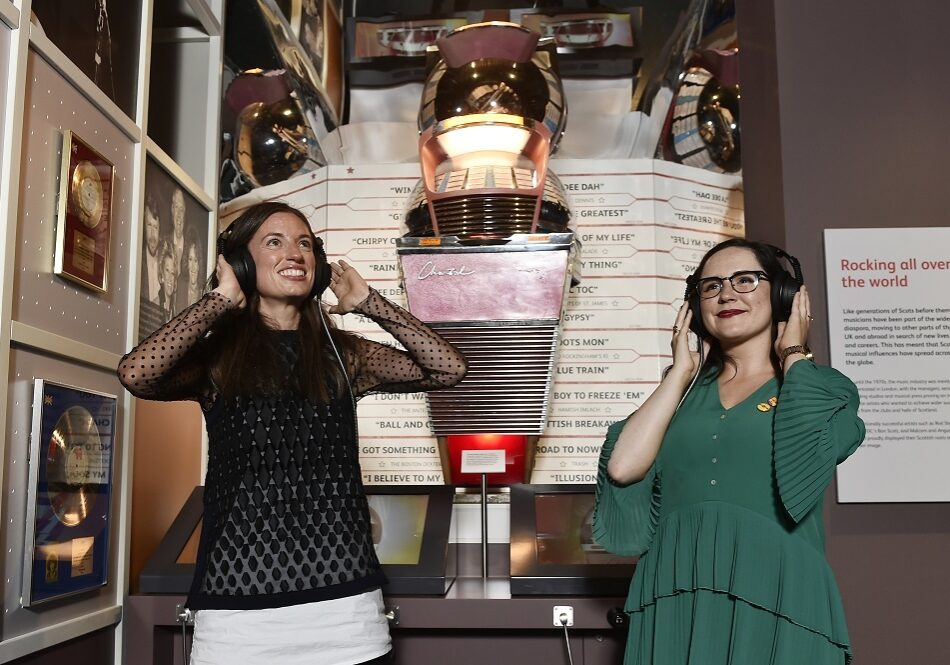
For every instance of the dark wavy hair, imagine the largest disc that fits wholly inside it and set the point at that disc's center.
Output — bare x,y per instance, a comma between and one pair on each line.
247,361
766,255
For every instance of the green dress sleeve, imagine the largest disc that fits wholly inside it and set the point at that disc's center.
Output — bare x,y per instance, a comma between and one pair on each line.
816,427
625,516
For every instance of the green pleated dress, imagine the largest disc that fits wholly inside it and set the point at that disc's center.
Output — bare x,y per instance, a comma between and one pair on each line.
729,528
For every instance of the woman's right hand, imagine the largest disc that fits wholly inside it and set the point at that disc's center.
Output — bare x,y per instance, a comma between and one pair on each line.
685,360
228,285
642,436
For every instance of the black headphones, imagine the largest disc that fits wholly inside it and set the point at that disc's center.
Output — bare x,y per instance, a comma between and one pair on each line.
784,287
242,263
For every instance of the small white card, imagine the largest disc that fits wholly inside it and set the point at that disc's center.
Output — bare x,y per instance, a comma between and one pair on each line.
483,461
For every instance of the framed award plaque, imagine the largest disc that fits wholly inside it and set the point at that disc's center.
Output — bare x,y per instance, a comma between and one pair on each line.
84,218
69,507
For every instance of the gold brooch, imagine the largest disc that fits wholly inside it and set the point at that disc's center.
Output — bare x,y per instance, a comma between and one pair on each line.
767,406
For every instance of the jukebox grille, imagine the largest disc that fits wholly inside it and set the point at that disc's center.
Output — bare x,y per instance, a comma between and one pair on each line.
507,387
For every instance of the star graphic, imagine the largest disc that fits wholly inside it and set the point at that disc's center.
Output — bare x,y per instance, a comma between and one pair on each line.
349,170
47,400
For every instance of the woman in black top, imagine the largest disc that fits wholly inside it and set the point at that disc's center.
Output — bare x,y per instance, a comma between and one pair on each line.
286,541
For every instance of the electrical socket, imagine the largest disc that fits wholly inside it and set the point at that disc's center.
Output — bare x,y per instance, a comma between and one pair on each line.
565,611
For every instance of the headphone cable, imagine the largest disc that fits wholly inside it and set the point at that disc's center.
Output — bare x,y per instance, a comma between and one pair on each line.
339,359
699,370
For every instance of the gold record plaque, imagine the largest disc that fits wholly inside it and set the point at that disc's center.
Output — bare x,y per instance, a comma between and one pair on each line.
69,510
85,214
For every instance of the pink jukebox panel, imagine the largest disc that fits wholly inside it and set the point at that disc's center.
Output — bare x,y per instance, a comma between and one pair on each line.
489,286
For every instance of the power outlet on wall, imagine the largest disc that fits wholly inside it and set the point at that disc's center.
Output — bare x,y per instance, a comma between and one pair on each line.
563,615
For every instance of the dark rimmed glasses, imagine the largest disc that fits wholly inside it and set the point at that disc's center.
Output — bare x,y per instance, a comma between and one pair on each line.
744,281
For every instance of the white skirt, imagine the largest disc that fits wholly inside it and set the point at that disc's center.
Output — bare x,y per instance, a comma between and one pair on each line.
342,631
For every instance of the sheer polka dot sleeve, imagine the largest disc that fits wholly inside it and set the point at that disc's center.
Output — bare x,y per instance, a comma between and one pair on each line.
168,364
429,362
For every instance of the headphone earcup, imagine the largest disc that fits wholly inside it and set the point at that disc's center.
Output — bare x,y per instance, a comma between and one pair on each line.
242,263
784,288
692,295
785,285
321,280
696,323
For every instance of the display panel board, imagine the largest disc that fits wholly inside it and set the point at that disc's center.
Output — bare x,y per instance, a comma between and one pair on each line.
889,324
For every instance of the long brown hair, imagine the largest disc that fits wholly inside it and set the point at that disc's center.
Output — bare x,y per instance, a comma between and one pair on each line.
246,359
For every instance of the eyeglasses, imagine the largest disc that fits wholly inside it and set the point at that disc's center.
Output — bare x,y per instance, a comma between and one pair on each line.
744,281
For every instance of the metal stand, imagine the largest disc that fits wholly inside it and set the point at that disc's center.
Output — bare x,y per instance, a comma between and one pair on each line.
484,527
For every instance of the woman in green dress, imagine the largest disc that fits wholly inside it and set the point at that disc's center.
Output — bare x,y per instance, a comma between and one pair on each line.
720,492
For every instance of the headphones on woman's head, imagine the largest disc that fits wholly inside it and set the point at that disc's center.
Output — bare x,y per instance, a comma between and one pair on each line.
242,263
784,287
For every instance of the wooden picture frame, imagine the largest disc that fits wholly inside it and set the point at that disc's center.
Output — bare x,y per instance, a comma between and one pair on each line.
174,254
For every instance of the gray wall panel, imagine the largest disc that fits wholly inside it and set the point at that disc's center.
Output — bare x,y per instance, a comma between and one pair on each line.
24,367
42,299
848,131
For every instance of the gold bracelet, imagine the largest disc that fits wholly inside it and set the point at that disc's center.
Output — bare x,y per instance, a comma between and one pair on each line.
797,348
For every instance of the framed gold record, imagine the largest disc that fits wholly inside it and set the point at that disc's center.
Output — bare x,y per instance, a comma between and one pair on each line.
84,217
70,506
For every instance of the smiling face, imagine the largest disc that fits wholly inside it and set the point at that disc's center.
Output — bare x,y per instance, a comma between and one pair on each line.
733,317
283,252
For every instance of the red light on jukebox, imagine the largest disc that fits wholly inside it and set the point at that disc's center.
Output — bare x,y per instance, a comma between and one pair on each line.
514,445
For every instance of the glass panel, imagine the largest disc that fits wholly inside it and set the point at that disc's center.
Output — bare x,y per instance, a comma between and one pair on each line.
101,38
398,522
564,526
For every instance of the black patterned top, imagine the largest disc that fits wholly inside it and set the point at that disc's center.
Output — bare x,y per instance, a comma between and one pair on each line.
286,519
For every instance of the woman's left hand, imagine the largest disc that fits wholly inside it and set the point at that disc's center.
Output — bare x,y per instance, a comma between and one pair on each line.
348,286
795,330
